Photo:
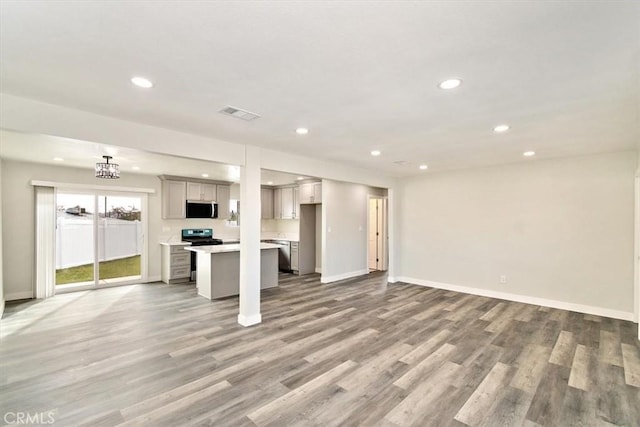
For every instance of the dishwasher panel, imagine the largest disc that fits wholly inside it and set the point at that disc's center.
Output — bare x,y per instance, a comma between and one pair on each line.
284,254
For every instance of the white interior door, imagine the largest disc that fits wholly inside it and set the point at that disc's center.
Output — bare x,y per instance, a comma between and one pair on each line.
383,253
372,234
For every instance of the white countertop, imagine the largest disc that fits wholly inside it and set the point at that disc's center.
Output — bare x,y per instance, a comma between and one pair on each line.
284,239
178,243
215,249
175,243
280,235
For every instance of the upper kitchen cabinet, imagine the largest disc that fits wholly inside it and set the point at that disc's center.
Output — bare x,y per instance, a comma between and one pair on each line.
266,203
288,203
277,203
311,193
296,203
222,198
202,191
177,190
174,194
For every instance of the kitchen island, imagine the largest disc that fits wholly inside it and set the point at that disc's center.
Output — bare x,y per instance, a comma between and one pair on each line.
218,269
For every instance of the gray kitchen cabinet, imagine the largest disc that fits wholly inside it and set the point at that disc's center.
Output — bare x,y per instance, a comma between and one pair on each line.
288,203
310,193
174,196
296,203
175,263
295,257
222,198
317,192
266,203
307,239
285,203
277,203
201,191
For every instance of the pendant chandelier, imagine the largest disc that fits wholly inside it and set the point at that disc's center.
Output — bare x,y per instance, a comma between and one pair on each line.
107,170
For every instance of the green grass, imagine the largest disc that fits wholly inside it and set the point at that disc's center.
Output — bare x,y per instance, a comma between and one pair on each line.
108,270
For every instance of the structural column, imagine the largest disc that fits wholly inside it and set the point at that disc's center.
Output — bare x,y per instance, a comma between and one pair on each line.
250,238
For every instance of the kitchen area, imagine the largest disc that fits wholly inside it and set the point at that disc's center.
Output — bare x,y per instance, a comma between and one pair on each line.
182,200
209,256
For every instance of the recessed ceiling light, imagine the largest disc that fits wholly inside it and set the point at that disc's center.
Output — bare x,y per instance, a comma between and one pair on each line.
270,183
58,159
205,175
376,153
529,153
450,84
135,168
501,128
302,131
424,167
142,82
300,178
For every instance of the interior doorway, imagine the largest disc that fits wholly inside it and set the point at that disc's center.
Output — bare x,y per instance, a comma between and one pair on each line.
377,239
99,239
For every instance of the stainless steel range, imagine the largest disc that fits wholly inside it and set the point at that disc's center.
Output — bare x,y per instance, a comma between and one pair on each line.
198,237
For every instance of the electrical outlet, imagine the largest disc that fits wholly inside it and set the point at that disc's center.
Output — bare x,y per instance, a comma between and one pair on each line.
503,278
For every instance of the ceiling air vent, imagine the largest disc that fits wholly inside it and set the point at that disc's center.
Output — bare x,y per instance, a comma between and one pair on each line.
238,113
400,162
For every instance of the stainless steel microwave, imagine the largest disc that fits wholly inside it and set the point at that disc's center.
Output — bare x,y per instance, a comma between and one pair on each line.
197,209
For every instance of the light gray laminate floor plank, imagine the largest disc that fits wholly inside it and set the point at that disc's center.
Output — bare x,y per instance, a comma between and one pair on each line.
610,350
631,361
485,396
563,350
273,410
580,368
359,352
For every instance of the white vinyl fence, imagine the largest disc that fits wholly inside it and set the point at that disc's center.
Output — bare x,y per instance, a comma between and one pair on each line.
74,240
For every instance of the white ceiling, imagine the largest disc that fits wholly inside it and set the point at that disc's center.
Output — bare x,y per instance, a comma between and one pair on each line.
82,154
361,75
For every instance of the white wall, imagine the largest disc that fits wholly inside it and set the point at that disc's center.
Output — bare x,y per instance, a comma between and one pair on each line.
344,208
560,230
18,218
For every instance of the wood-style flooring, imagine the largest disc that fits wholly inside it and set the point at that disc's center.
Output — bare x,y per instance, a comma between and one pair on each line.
359,352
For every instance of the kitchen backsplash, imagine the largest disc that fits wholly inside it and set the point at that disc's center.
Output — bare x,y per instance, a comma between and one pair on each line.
270,229
280,225
171,229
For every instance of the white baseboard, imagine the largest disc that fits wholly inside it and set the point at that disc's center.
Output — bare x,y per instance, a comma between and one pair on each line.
151,279
1,308
254,319
349,275
18,295
319,270
391,279
587,309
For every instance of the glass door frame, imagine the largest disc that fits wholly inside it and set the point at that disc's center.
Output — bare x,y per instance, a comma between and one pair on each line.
96,262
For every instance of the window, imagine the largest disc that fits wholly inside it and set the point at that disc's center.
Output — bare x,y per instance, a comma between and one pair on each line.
234,213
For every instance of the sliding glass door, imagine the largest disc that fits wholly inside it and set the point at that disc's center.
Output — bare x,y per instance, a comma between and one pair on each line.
99,239
75,240
119,238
